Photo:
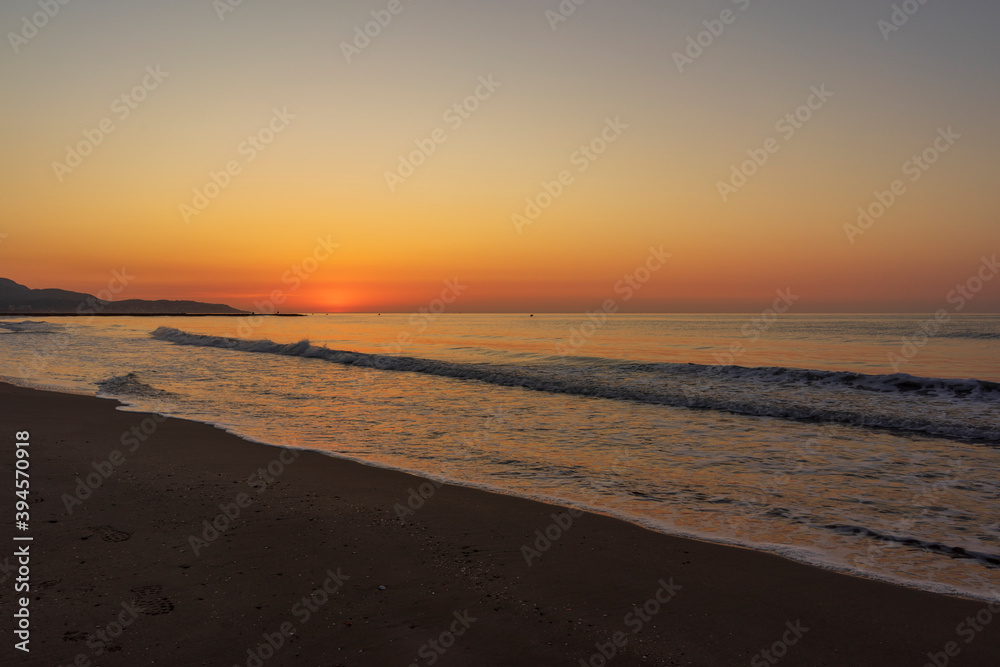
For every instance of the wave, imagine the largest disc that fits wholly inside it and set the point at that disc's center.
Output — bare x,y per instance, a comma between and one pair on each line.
974,335
128,385
989,560
29,326
892,383
960,409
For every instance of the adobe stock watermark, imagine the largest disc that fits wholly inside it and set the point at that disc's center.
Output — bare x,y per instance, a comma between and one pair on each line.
302,611
959,298
120,280
928,495
758,326
432,650
968,630
416,499
779,649
103,470
249,149
86,311
562,12
121,108
635,621
626,288
260,482
104,638
900,16
581,158
550,534
294,278
31,25
455,116
363,35
714,28
418,496
223,7
793,463
425,316
787,126
614,483
914,168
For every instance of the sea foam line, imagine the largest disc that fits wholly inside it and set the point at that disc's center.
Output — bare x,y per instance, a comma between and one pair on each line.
830,396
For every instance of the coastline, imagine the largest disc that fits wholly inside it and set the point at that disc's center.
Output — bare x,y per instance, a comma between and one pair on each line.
320,523
92,314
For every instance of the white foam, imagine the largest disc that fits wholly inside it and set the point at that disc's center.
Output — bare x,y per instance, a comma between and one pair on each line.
803,554
961,409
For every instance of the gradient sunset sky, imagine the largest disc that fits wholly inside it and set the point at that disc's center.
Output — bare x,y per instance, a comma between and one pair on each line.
893,94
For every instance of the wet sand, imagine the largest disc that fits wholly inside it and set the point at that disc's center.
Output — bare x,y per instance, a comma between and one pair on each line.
310,551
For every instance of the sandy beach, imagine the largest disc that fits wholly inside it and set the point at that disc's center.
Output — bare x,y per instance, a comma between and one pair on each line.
310,563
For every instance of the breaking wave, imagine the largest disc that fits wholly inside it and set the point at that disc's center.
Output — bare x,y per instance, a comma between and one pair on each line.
128,385
952,408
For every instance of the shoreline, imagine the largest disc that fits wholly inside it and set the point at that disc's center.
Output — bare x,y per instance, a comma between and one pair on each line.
642,522
459,548
153,314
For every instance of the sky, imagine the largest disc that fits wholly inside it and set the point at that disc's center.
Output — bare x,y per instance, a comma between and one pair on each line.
845,151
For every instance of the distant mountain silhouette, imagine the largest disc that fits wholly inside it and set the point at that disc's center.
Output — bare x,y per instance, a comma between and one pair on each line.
16,298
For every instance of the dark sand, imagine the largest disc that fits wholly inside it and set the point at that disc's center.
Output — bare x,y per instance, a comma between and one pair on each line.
129,543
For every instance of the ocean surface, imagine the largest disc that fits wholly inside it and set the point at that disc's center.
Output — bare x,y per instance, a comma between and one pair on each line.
866,444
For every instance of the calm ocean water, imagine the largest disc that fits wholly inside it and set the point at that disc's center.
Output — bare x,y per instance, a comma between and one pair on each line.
868,444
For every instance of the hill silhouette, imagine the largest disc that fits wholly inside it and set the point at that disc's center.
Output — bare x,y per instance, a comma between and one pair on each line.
20,299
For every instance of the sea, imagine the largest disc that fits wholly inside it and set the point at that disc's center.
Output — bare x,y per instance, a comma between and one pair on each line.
866,444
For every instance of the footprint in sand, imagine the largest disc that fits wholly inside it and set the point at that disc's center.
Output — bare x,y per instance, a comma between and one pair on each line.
109,534
149,601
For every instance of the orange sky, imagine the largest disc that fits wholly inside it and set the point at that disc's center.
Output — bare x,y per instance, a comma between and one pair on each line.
328,131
